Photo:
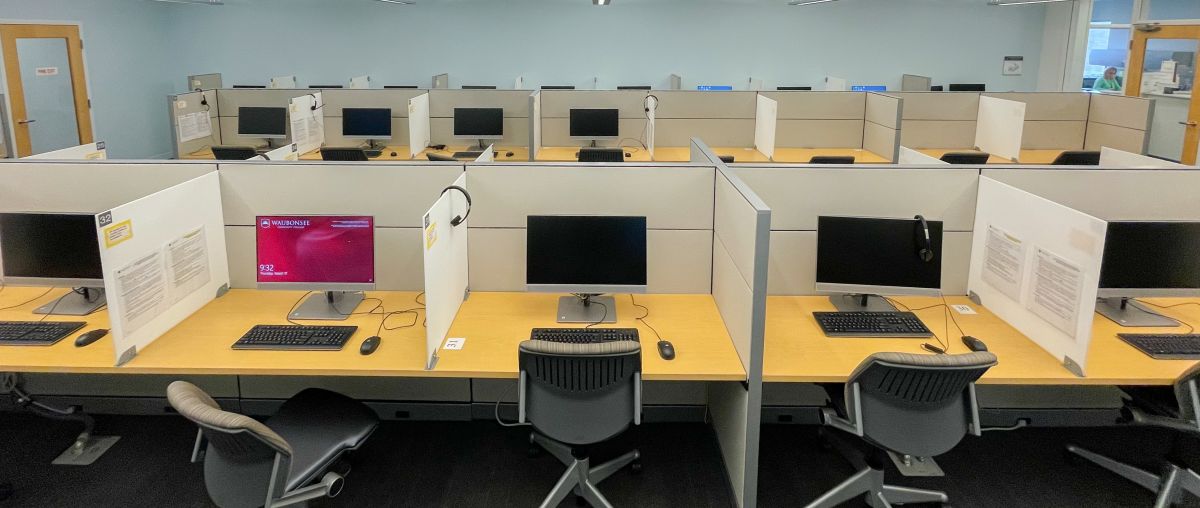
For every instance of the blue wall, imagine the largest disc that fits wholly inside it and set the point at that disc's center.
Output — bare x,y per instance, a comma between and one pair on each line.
629,42
129,67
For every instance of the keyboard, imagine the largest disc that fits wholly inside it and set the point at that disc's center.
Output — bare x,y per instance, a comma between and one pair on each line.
601,155
467,155
871,324
36,333
296,338
583,335
1165,346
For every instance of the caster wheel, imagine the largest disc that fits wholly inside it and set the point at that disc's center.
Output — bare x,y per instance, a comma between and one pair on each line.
636,467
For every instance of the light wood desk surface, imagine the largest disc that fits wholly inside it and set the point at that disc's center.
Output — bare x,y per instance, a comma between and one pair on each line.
494,323
797,351
203,154
570,154
684,154
1041,157
803,155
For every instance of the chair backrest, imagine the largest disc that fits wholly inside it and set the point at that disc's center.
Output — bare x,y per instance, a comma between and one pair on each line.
1077,158
344,154
1187,394
916,404
965,158
241,452
580,394
233,153
440,158
831,159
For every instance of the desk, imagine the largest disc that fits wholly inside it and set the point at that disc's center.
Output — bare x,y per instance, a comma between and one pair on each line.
493,323
797,351
684,154
1042,157
519,154
569,154
203,154
803,155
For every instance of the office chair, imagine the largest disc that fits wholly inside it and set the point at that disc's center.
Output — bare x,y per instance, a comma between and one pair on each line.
285,460
575,396
831,159
727,159
965,157
344,154
1077,158
440,158
1149,407
233,153
905,403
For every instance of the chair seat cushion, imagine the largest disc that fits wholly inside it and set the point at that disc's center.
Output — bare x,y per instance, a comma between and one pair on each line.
320,425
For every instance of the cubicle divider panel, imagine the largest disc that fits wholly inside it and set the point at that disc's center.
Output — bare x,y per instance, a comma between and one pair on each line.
397,195
195,121
1119,122
337,99
798,195
1053,120
1113,158
692,104
444,246
91,151
881,131
94,186
670,132
819,105
1000,128
938,119
1113,194
630,104
676,200
535,124
514,102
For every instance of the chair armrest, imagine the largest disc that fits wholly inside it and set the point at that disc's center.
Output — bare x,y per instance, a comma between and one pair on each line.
200,447
853,424
974,425
1142,418
637,398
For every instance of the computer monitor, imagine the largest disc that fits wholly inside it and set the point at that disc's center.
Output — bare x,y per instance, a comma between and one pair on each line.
868,88
793,88
269,123
479,87
633,87
332,255
585,256
967,87
55,250
479,123
558,87
367,123
859,258
714,88
594,124
1147,259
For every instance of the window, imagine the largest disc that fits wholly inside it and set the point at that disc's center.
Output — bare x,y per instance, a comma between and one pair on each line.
1108,40
1166,10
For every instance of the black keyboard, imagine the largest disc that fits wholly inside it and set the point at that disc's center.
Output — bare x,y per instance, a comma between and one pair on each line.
1165,346
296,338
36,333
467,155
871,324
601,155
583,335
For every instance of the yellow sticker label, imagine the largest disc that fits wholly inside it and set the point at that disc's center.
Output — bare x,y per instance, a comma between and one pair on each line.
430,235
94,156
117,233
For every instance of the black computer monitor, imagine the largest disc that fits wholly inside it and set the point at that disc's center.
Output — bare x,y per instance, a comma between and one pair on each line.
586,256
793,88
967,87
249,86
633,87
367,123
558,87
326,86
256,122
479,87
404,87
858,257
479,123
55,250
1147,259
593,124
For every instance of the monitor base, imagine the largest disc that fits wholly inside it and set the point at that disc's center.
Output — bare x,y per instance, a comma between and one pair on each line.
861,303
587,309
1125,312
75,304
328,306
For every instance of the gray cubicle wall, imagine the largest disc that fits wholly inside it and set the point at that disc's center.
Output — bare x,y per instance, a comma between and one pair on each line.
1113,194
819,119
1117,121
514,102
1053,120
189,103
939,119
797,195
556,107
719,118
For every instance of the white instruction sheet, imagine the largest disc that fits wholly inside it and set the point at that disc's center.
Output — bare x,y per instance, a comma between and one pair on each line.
142,288
194,126
1057,289
187,258
1004,262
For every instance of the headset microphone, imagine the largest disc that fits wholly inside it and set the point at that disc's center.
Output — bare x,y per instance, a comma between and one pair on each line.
460,218
926,242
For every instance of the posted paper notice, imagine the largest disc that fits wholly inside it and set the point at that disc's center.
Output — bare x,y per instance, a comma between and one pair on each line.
1004,262
1057,289
187,258
142,289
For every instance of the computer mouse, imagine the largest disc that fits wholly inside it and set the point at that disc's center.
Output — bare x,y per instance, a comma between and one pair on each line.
974,344
90,337
508,154
627,154
394,154
369,345
666,350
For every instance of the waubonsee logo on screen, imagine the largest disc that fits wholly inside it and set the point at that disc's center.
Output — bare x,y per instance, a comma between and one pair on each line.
265,224
285,223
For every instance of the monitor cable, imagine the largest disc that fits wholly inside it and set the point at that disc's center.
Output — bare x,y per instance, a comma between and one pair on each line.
497,411
29,301
588,301
947,318
642,318
1191,329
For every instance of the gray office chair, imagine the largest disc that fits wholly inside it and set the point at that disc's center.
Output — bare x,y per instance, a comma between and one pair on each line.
1145,406
577,395
919,405
282,462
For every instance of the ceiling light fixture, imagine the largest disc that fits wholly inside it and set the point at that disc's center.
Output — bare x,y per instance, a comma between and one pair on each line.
1024,2
808,2
399,2
601,2
197,2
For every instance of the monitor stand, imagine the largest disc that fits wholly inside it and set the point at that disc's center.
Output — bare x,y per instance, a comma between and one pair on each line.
861,303
1125,312
78,302
328,306
587,309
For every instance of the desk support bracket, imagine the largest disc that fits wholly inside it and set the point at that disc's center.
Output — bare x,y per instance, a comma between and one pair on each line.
222,290
86,448
975,298
1070,365
127,355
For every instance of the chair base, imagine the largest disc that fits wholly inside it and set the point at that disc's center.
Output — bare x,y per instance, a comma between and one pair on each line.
580,477
1170,486
868,482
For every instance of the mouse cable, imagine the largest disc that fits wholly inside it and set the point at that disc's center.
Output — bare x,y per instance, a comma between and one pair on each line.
55,306
643,317
602,317
943,343
1181,322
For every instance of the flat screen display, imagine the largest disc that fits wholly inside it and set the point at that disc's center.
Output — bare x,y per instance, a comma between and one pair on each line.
49,246
594,123
585,251
373,123
1151,255
262,122
478,122
877,252
316,249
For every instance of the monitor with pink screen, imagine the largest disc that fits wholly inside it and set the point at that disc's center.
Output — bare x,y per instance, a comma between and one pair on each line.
332,254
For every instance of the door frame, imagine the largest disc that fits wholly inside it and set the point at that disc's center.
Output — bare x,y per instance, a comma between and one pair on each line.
1133,77
8,95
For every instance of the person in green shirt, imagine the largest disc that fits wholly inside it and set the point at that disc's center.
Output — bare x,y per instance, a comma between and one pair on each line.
1110,81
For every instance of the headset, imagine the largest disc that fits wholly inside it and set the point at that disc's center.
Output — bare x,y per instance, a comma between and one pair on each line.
925,242
461,218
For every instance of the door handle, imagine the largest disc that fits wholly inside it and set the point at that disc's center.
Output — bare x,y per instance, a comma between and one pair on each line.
25,122
1189,124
